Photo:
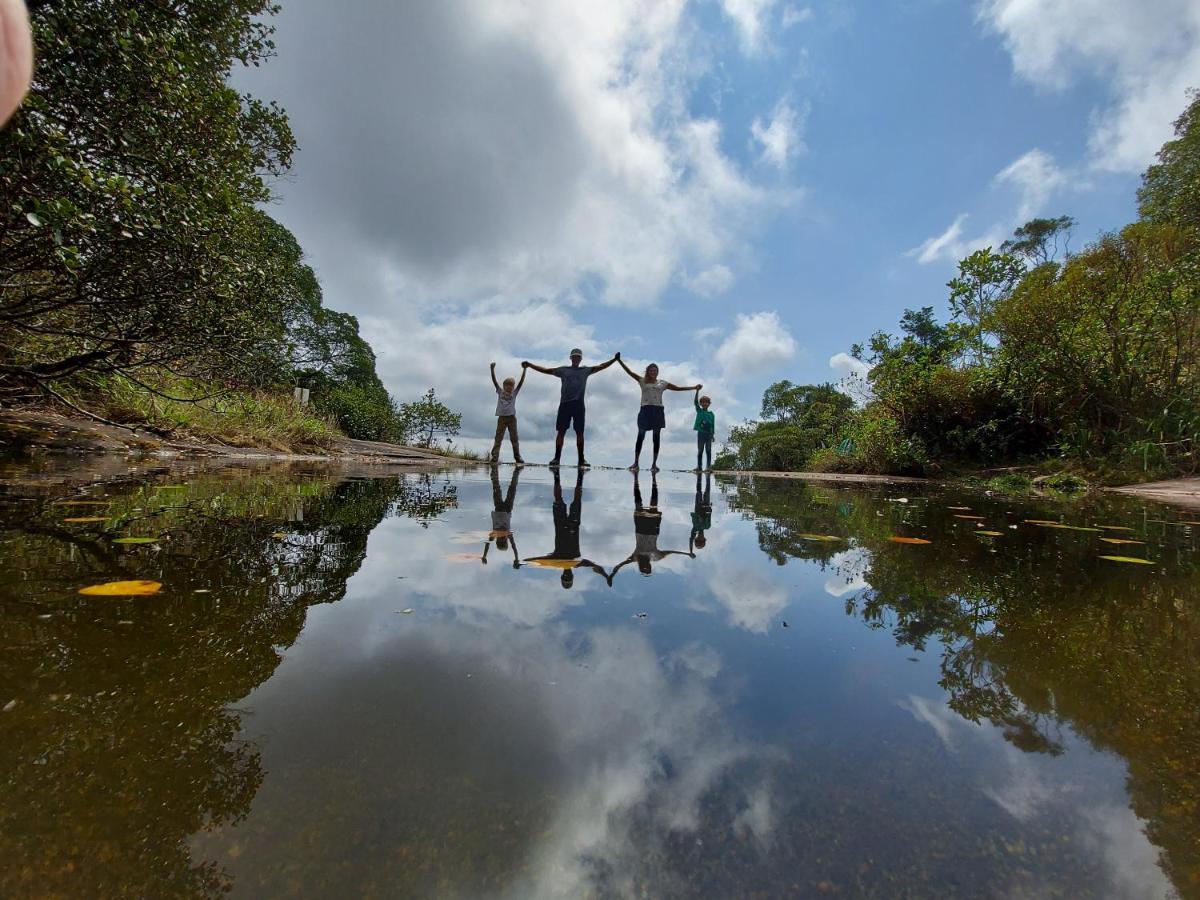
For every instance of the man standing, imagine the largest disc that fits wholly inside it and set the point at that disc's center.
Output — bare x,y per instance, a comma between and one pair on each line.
571,410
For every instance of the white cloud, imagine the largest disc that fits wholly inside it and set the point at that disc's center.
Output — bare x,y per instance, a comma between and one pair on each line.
780,138
759,343
1148,52
951,245
846,366
1036,176
527,148
796,15
750,18
711,282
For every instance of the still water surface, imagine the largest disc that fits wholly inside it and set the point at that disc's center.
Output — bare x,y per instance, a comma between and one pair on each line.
355,685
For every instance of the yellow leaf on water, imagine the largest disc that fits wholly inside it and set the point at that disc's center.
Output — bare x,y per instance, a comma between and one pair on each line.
1040,522
1120,541
960,508
818,537
908,540
545,563
81,502
991,533
1115,527
122,589
1130,559
279,535
972,518
87,519
136,540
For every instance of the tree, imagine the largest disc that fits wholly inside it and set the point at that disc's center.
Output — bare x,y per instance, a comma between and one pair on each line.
1037,241
427,417
1170,189
797,420
129,231
983,278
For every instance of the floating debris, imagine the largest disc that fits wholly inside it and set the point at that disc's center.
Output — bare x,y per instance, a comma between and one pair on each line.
1130,559
908,540
136,540
990,533
804,536
89,519
122,589
1121,541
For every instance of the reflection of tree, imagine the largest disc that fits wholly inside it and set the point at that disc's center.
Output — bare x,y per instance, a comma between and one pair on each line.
1035,633
122,743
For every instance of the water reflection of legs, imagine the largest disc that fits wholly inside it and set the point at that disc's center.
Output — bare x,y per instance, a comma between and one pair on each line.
502,532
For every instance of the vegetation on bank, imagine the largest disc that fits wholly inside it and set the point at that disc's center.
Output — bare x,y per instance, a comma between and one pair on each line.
140,279
1089,361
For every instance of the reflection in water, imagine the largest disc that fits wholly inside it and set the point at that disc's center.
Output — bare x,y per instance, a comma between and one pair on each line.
120,740
1034,634
974,717
502,530
647,525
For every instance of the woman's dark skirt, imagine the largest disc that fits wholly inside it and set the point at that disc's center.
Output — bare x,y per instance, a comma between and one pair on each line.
652,418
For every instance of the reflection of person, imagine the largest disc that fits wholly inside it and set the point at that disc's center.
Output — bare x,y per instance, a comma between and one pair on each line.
566,555
647,523
502,532
651,417
702,512
571,410
16,60
506,414
705,427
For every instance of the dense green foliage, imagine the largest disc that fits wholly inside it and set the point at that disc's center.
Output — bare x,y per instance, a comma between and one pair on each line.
132,240
1091,357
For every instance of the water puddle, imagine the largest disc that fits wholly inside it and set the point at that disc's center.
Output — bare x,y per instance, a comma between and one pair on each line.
511,685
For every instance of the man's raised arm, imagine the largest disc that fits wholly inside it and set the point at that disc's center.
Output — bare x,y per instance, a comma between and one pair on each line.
528,365
605,365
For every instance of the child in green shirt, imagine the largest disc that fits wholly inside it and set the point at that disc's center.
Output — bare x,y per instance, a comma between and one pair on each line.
706,428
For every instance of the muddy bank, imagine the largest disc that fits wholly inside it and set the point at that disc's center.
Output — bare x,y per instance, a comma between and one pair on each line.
24,434
843,477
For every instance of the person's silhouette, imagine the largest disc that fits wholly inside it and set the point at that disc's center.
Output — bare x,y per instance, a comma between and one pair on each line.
502,532
702,512
567,522
647,523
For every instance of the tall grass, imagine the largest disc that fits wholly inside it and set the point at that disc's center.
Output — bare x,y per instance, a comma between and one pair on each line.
184,408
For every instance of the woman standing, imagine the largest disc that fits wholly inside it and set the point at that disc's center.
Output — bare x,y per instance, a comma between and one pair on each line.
651,417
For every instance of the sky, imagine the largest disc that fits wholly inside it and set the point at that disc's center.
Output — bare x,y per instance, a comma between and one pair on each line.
738,190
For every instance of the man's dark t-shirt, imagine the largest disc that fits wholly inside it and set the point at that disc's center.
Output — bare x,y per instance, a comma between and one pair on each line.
574,382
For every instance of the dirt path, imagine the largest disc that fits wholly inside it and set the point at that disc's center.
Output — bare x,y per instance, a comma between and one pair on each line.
1181,491
44,431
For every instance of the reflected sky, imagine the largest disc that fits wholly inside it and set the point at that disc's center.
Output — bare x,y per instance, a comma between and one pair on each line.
723,699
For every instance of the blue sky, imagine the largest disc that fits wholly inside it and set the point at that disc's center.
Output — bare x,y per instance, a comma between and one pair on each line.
737,189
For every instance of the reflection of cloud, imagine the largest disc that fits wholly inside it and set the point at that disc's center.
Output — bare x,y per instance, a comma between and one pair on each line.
850,567
1031,788
752,601
631,749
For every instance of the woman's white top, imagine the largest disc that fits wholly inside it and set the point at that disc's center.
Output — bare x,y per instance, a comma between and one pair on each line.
652,392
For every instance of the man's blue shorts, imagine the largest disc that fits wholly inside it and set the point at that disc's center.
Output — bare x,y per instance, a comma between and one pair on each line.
571,411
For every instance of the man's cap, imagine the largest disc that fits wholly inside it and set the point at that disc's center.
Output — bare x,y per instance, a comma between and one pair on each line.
576,352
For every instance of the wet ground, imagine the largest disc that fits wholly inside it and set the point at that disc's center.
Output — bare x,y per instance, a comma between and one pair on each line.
458,685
